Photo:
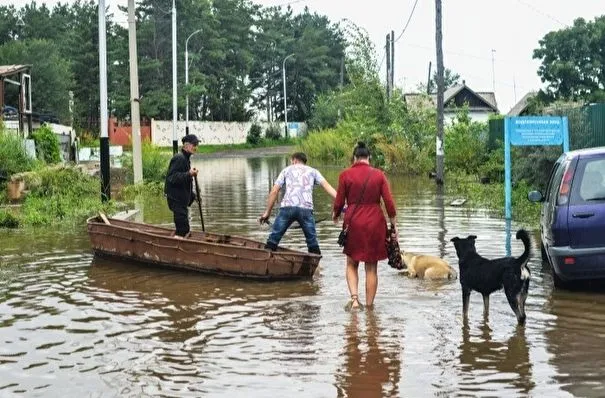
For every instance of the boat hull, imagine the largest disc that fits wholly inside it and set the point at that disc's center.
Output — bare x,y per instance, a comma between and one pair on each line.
203,252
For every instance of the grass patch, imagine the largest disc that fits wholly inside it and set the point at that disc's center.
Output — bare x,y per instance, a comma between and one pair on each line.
491,196
62,194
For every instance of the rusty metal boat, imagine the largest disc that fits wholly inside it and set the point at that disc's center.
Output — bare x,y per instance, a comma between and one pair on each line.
206,252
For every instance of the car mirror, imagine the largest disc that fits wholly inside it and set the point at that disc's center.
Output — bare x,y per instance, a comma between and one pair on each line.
535,196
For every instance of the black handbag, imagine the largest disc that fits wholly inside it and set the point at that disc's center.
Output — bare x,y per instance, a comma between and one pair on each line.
342,236
393,251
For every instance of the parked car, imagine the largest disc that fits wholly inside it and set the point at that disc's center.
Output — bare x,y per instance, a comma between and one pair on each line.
572,220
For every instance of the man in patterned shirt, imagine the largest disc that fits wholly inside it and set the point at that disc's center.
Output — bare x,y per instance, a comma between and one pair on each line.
297,203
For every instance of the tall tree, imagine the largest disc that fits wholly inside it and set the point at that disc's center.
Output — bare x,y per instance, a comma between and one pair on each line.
573,61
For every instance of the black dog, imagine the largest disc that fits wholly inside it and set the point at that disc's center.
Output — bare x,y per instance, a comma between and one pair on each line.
486,276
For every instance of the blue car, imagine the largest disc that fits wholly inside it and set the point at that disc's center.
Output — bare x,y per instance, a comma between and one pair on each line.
572,220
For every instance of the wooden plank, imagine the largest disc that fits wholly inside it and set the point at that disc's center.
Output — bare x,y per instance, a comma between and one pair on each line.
104,218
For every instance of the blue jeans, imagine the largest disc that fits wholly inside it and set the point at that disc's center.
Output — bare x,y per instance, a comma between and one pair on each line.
285,217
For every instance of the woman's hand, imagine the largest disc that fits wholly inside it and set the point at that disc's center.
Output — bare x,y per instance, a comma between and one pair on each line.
334,218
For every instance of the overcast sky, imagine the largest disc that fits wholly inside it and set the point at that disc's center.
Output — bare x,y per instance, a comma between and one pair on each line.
471,30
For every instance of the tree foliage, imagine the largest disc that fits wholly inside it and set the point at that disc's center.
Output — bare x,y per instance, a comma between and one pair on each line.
573,61
235,62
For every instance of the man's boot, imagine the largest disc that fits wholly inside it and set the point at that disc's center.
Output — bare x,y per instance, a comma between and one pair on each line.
315,250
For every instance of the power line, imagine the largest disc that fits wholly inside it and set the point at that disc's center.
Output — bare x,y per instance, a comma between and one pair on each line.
408,22
542,13
286,3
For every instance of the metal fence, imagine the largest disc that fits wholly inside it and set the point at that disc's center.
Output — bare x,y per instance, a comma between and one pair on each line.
586,127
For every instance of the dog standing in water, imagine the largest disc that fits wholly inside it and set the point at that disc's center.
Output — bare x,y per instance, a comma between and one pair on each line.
425,266
486,276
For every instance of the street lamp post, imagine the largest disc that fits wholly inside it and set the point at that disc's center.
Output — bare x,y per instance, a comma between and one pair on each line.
285,102
187,81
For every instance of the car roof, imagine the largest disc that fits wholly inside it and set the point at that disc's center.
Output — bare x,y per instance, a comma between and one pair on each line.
585,152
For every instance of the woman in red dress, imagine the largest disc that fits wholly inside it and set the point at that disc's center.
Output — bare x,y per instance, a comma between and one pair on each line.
364,218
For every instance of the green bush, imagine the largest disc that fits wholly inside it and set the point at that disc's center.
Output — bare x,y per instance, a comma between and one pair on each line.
273,132
465,144
254,135
62,194
13,157
328,146
154,161
8,220
47,145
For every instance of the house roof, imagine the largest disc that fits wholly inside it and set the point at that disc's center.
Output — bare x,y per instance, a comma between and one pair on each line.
489,98
520,106
9,70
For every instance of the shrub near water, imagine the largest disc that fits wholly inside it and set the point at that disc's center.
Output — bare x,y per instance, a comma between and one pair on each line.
154,160
62,195
13,158
47,145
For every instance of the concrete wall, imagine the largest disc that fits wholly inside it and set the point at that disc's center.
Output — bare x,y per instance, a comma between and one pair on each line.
213,133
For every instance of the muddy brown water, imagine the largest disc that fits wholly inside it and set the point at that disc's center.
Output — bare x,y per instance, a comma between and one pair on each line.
74,325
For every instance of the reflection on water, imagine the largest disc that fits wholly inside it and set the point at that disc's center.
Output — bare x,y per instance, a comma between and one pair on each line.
74,325
371,368
482,356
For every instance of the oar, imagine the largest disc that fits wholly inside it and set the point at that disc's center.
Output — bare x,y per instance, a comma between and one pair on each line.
199,202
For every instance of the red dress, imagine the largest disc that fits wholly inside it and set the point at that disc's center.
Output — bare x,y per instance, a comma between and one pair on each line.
367,225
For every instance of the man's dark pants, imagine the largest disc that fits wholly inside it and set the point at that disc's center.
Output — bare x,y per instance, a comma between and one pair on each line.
181,217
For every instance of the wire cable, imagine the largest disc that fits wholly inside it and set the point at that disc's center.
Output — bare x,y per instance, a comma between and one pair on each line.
408,22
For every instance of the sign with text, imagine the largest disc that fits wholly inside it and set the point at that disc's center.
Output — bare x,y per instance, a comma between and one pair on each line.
530,130
536,130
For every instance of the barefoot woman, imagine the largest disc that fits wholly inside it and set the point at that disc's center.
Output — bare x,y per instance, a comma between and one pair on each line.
361,186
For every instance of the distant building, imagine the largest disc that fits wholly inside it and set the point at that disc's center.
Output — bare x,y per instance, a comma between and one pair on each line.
521,107
481,104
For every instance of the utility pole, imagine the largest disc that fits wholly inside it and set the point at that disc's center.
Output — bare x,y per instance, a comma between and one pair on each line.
285,102
135,117
388,58
440,91
493,72
104,138
392,60
428,81
175,143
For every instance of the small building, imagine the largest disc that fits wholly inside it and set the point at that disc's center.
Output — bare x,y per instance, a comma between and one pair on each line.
481,104
20,76
521,108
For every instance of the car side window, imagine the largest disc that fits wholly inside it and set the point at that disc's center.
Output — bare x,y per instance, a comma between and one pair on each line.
555,182
591,186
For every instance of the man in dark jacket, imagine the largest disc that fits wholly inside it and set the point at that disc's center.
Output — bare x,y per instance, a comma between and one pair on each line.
178,187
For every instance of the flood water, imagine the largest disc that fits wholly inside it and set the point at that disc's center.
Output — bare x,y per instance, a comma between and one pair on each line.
74,325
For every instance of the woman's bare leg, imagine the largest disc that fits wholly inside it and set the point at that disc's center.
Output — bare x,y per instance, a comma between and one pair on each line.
353,279
371,282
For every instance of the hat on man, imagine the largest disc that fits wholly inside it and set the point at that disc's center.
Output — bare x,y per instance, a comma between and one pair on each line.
190,138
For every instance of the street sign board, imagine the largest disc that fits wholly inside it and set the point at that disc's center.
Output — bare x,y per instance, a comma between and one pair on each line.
537,130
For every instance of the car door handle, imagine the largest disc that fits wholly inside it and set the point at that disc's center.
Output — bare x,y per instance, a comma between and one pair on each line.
583,215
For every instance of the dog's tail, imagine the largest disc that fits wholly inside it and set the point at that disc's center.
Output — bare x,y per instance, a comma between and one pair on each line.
524,236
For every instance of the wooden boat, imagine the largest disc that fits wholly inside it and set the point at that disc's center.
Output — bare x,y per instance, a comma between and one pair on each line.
202,251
